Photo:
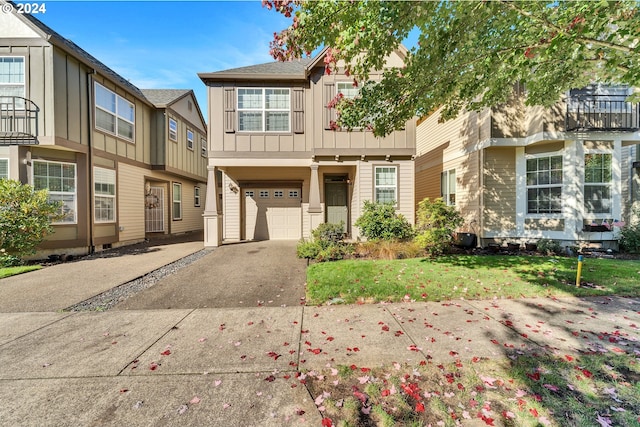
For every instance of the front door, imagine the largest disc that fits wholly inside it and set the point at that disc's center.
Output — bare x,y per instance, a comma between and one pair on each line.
336,198
154,210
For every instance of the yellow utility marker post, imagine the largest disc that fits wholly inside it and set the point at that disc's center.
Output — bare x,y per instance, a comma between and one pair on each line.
579,270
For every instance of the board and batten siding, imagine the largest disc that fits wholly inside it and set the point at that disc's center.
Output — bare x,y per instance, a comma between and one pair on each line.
71,98
499,192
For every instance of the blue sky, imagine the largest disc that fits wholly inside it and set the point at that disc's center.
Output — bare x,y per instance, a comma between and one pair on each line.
164,44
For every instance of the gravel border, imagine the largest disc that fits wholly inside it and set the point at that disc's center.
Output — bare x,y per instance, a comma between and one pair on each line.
108,299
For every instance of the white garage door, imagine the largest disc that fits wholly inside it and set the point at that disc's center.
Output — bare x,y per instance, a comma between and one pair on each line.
272,213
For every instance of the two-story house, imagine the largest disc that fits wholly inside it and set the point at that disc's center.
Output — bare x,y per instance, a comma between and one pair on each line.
519,174
278,167
124,163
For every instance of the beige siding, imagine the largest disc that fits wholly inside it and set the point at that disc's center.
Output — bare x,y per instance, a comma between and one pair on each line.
232,210
550,224
131,201
191,214
499,214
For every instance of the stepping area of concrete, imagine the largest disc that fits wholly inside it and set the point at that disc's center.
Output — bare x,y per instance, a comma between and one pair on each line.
238,366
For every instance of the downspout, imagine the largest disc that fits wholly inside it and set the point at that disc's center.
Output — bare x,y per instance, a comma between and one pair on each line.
92,247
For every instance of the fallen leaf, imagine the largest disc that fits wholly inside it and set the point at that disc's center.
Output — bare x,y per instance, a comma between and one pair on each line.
195,400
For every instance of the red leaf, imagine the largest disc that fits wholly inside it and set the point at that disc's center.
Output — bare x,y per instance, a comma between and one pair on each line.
385,328
569,358
534,412
274,355
166,352
587,373
270,378
535,376
419,407
326,422
495,342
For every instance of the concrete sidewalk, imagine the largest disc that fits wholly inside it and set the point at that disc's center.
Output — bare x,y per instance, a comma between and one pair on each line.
237,367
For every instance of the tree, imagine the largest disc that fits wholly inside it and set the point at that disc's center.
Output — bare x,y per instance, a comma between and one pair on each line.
25,219
469,53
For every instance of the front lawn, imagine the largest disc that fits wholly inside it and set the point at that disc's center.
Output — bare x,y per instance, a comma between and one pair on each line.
468,277
12,271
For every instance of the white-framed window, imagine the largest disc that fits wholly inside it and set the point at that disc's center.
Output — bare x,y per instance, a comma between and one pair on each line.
448,187
114,114
386,184
347,89
544,184
196,197
598,179
264,109
203,147
104,198
12,80
173,130
177,201
189,139
278,194
4,168
264,194
293,194
60,179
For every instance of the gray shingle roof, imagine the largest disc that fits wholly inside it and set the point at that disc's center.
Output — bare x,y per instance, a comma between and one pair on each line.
289,69
163,97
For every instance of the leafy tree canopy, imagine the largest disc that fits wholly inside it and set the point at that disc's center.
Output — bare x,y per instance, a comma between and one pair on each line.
469,53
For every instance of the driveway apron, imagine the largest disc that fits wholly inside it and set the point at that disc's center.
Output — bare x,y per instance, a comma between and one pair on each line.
252,274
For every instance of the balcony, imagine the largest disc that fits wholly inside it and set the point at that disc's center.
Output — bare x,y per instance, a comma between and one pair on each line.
592,112
18,121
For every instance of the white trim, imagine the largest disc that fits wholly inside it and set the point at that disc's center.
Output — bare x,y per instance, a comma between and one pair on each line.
263,109
190,140
175,132
196,196
394,186
24,77
107,176
115,114
174,201
61,193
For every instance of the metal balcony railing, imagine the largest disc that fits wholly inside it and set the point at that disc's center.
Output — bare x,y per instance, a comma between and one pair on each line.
601,113
18,121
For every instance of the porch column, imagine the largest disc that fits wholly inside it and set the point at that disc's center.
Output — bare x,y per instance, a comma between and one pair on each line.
212,215
315,208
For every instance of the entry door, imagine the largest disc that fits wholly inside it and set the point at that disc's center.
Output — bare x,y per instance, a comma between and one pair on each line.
154,210
337,201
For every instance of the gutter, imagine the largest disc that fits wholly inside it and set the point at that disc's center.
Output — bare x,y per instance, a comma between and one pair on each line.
92,247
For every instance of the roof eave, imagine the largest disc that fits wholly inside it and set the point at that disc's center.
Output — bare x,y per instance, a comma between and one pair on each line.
221,77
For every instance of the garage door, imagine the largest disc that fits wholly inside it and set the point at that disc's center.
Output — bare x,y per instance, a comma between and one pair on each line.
272,213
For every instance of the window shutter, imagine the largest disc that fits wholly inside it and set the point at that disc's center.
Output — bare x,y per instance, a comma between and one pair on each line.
329,113
229,109
298,110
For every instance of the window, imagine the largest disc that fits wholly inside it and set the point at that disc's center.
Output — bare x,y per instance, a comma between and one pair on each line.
60,179
114,114
104,198
263,110
278,194
190,139
249,193
177,201
4,168
12,80
597,183
347,89
293,194
386,184
196,197
448,187
544,185
203,147
264,194
173,130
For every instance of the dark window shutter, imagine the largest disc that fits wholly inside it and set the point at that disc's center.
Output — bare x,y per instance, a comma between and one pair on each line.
229,109
298,110
329,113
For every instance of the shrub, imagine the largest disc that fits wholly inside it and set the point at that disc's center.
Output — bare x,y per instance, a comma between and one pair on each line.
435,224
549,247
630,234
381,221
327,244
388,249
25,220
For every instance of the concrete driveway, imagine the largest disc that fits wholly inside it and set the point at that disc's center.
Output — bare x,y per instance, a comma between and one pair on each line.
266,273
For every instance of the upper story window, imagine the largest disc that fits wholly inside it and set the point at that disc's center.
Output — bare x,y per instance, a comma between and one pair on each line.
544,185
203,147
60,179
173,130
189,139
386,184
347,89
448,187
12,80
264,110
114,114
597,182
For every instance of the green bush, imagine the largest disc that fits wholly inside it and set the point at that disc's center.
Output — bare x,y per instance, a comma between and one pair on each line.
327,244
381,221
435,225
25,220
549,247
630,235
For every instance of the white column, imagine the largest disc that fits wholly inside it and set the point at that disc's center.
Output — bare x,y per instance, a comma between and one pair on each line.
212,215
315,207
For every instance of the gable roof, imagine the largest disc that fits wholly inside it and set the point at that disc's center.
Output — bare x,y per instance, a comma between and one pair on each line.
275,70
162,98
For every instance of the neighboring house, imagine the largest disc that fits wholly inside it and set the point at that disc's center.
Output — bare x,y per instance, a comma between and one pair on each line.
125,163
278,167
518,174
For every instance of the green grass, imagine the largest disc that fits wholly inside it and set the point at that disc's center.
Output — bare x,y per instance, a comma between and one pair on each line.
12,271
469,277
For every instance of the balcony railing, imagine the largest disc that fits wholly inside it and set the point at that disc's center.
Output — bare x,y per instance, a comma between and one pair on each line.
601,113
18,121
